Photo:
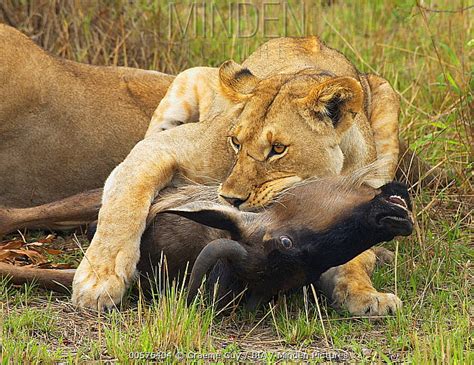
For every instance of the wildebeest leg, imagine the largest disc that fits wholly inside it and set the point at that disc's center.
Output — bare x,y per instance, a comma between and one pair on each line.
66,213
57,280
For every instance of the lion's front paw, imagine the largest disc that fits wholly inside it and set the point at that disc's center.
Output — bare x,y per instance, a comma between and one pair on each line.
100,286
370,303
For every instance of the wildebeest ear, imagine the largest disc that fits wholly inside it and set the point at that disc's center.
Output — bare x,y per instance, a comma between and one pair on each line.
212,215
237,82
339,98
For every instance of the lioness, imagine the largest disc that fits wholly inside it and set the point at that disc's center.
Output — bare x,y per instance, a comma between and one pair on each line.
65,125
296,109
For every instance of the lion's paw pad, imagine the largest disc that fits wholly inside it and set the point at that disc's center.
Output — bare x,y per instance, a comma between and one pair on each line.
97,291
373,304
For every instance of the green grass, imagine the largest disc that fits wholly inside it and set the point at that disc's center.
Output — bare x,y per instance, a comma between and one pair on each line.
426,55
39,327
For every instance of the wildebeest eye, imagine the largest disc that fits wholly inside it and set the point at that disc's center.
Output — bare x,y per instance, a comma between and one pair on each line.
286,242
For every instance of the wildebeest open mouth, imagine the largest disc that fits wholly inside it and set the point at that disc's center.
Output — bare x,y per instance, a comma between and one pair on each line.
398,213
398,201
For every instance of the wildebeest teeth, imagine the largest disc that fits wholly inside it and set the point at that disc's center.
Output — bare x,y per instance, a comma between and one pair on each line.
398,201
397,218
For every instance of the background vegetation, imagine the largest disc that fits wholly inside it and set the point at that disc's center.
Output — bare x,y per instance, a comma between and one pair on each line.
424,49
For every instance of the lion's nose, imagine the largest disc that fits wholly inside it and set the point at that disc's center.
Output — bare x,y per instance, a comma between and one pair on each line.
236,202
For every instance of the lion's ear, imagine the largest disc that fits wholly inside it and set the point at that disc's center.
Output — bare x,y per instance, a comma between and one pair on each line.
339,98
237,82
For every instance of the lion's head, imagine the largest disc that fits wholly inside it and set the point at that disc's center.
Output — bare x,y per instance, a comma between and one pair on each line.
289,128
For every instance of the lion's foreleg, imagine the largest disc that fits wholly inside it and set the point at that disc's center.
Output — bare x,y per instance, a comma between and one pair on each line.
349,286
109,263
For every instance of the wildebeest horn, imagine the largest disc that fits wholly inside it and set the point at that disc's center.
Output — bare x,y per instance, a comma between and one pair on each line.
215,250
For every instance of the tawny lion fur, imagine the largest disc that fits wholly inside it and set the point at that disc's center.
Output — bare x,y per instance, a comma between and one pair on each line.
65,125
294,110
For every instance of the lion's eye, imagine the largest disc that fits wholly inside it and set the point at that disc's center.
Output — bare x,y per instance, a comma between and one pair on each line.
277,149
235,143
286,242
